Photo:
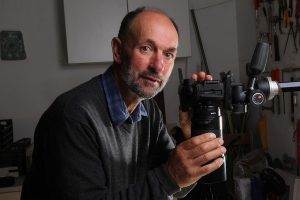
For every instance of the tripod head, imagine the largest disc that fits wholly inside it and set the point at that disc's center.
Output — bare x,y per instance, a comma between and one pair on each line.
233,96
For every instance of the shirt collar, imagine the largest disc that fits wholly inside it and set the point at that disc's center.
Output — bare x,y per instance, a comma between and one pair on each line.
116,105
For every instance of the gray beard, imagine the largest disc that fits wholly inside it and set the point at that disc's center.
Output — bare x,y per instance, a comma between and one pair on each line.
135,87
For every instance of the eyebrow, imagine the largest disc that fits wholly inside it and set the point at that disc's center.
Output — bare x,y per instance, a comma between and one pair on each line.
171,50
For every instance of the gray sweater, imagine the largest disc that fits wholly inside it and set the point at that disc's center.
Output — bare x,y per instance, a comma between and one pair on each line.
80,155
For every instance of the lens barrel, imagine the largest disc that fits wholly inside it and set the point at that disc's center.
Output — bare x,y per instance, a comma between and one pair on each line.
208,118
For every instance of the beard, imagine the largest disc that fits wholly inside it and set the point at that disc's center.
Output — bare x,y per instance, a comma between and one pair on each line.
134,81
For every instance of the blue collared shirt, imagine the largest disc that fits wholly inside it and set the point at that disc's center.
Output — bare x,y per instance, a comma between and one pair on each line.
116,105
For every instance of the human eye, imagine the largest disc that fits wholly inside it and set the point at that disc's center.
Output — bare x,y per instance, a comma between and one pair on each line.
169,56
145,48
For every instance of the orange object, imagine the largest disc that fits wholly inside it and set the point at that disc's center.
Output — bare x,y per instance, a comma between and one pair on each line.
286,17
263,131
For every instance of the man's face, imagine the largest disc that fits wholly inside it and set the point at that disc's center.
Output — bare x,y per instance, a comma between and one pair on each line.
149,55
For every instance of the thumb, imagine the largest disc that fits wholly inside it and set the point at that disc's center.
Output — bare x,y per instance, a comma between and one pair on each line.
185,123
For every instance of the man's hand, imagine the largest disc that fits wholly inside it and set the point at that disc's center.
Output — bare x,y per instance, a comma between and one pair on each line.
185,117
189,160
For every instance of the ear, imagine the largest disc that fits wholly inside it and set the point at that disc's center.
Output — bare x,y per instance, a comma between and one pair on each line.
116,46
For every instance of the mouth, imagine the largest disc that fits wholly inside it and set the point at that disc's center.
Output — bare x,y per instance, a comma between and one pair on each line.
151,79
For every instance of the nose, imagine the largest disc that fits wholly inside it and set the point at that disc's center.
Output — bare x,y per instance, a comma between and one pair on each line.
157,63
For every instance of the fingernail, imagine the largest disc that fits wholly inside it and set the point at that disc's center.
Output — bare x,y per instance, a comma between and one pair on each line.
220,161
212,135
223,149
221,141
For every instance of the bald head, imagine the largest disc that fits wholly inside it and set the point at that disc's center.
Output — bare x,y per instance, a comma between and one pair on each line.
125,28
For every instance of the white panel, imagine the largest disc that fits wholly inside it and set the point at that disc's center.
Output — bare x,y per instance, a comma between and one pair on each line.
90,26
217,26
199,4
179,11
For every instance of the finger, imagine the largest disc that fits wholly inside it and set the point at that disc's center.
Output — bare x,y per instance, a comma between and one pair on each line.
205,147
209,156
210,167
185,123
197,140
195,77
186,131
201,76
208,77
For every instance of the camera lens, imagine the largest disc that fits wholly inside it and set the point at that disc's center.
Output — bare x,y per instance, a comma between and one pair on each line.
207,118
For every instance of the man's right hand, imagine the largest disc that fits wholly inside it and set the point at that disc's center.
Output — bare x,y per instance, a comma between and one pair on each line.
195,158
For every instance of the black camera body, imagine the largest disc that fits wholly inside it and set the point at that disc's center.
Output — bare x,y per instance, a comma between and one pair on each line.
226,93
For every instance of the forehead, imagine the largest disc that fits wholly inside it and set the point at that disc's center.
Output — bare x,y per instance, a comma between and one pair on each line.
155,26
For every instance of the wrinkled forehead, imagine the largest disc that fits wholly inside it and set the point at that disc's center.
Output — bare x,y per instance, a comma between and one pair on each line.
152,22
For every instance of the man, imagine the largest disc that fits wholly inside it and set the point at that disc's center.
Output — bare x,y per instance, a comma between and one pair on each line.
105,139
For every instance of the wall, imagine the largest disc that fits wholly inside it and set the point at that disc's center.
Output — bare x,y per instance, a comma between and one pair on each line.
29,86
217,25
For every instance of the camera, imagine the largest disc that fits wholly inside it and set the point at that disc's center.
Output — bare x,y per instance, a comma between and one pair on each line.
207,98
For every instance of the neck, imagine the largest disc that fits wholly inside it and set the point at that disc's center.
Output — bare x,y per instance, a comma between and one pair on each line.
130,98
